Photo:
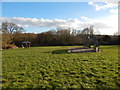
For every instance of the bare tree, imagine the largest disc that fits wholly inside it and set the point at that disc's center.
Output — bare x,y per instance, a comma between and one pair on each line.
7,30
10,27
88,36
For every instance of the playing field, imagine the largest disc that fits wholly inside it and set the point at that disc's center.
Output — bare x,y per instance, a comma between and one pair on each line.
52,67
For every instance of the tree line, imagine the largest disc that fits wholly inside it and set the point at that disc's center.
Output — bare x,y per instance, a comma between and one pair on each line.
12,34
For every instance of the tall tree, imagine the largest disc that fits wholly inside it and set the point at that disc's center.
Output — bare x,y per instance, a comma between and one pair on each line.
10,27
88,36
7,30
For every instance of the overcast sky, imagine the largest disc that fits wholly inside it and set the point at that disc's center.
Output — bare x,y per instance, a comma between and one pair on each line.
42,16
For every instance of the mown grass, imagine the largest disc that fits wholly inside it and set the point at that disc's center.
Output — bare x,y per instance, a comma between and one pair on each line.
53,67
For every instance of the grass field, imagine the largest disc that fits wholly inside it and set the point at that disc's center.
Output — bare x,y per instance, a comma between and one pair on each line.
52,67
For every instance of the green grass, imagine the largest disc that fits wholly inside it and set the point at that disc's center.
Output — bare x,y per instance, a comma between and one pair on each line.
52,67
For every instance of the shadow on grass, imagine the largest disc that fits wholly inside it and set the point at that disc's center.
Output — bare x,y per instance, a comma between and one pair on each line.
63,51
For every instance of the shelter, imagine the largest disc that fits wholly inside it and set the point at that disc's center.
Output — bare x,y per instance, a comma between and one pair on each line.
25,44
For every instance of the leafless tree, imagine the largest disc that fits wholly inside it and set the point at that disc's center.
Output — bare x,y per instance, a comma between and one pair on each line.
10,27
7,30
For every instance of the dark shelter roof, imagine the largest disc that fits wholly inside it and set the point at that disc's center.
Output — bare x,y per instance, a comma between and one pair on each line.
25,42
